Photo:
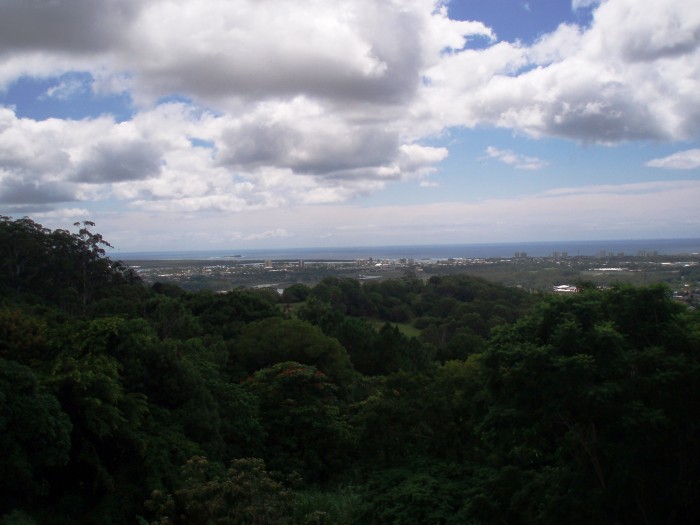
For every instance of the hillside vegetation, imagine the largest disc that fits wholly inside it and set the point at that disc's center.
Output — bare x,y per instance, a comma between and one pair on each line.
122,403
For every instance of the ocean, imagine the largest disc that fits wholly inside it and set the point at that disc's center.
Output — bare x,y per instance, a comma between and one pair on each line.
430,252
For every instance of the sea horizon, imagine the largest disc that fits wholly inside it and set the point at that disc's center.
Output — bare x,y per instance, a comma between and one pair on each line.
628,247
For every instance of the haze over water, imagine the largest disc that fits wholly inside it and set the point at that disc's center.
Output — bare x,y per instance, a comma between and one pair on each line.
438,251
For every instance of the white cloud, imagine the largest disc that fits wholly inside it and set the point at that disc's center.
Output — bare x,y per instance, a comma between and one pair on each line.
521,162
320,102
633,74
57,160
581,4
682,160
66,89
347,52
63,216
277,154
315,113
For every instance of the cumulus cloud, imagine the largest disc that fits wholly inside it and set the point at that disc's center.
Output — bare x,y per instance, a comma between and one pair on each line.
72,26
305,137
52,156
682,160
633,74
15,190
315,114
320,102
112,161
349,52
521,162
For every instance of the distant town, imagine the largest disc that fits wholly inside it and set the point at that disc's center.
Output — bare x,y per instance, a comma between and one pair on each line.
557,273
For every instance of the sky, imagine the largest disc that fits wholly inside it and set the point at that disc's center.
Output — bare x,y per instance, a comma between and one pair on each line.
225,124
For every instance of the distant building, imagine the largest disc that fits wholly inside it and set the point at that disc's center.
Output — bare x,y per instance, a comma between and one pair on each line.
644,253
565,288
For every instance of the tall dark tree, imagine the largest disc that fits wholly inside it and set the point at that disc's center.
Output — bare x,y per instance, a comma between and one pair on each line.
68,269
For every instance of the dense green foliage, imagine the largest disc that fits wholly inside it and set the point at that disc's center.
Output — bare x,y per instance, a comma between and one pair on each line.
123,404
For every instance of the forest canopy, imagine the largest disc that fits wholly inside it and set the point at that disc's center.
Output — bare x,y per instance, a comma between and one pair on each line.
443,401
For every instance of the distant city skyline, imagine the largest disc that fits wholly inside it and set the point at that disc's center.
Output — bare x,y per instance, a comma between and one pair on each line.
211,124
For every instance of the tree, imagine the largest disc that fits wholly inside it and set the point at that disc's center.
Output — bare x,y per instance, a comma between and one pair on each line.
23,337
343,294
303,420
273,340
67,269
226,314
35,435
245,494
22,253
597,412
296,293
171,318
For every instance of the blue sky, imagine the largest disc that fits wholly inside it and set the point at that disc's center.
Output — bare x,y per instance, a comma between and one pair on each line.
216,124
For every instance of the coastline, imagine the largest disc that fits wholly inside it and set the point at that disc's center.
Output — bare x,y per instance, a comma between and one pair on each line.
634,247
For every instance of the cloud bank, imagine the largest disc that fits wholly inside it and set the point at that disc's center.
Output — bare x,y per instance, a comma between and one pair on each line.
248,105
593,212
